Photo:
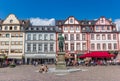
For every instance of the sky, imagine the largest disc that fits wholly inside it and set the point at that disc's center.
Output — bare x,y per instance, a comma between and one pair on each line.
60,9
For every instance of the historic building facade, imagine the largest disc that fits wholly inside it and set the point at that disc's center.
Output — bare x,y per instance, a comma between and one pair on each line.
83,36
75,38
18,38
104,36
40,44
12,37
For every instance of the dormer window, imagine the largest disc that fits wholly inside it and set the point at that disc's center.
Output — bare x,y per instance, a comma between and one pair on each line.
89,23
11,21
71,20
59,23
51,28
23,22
21,28
45,28
29,28
34,28
40,28
102,21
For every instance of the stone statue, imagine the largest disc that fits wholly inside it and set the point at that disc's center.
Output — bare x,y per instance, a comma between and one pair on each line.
61,42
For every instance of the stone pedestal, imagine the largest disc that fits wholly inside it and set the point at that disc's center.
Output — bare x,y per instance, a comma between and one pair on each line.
61,64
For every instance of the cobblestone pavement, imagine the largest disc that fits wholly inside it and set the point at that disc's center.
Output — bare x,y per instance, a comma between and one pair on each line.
29,73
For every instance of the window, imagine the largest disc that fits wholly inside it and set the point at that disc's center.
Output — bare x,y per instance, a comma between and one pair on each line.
6,27
98,37
21,35
21,42
84,46
102,21
45,47
77,37
40,28
39,47
29,37
92,46
17,35
104,46
109,37
97,27
108,27
46,37
11,21
65,28
83,28
72,37
45,28
34,47
66,46
83,36
102,27
12,51
115,46
78,46
51,36
103,37
34,36
17,43
28,47
21,28
20,50
7,43
71,28
71,20
40,36
77,28
51,47
72,47
34,28
15,27
92,36
66,36
98,46
2,43
109,46
114,36
13,42
10,27
7,35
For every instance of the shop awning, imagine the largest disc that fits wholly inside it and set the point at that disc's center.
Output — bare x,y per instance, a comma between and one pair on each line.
97,55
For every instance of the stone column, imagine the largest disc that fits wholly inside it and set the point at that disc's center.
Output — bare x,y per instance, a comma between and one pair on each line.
61,64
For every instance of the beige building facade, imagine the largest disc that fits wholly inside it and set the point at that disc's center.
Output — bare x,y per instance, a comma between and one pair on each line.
12,37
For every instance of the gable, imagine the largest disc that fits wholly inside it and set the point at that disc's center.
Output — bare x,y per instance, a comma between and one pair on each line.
11,19
103,21
71,20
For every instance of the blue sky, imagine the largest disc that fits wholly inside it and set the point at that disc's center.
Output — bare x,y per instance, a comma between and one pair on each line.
61,9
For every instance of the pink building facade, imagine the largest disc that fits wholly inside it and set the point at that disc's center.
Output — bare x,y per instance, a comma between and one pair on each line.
83,36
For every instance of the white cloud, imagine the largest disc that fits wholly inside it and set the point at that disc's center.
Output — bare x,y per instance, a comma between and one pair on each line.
42,22
117,22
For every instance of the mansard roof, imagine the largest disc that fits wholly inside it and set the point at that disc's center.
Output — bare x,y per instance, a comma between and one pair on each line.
42,29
